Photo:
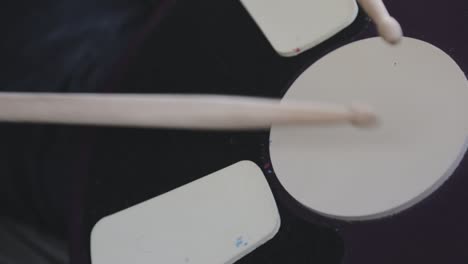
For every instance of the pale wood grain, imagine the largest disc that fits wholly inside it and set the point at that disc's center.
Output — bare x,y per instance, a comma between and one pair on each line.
174,111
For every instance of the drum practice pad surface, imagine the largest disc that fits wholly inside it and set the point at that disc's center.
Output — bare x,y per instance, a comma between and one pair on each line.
420,95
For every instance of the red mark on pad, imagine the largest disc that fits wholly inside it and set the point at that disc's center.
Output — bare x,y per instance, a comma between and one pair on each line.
297,50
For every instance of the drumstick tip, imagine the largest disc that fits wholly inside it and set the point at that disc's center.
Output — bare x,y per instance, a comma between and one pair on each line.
390,30
362,116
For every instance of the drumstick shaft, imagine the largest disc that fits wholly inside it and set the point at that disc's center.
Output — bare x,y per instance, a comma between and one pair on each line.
375,9
171,111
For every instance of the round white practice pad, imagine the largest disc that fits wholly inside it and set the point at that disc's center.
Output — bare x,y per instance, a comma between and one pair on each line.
421,98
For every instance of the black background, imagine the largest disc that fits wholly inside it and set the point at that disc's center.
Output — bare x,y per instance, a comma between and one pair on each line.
213,46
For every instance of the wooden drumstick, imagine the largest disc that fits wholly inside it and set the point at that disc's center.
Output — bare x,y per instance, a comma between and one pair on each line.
173,111
388,27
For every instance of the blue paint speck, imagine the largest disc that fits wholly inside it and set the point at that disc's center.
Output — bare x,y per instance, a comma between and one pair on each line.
240,242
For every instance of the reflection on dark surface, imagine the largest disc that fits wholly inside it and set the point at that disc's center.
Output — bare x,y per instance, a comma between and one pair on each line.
23,243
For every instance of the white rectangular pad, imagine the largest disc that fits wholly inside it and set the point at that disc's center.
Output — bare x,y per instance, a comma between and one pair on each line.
293,26
217,219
